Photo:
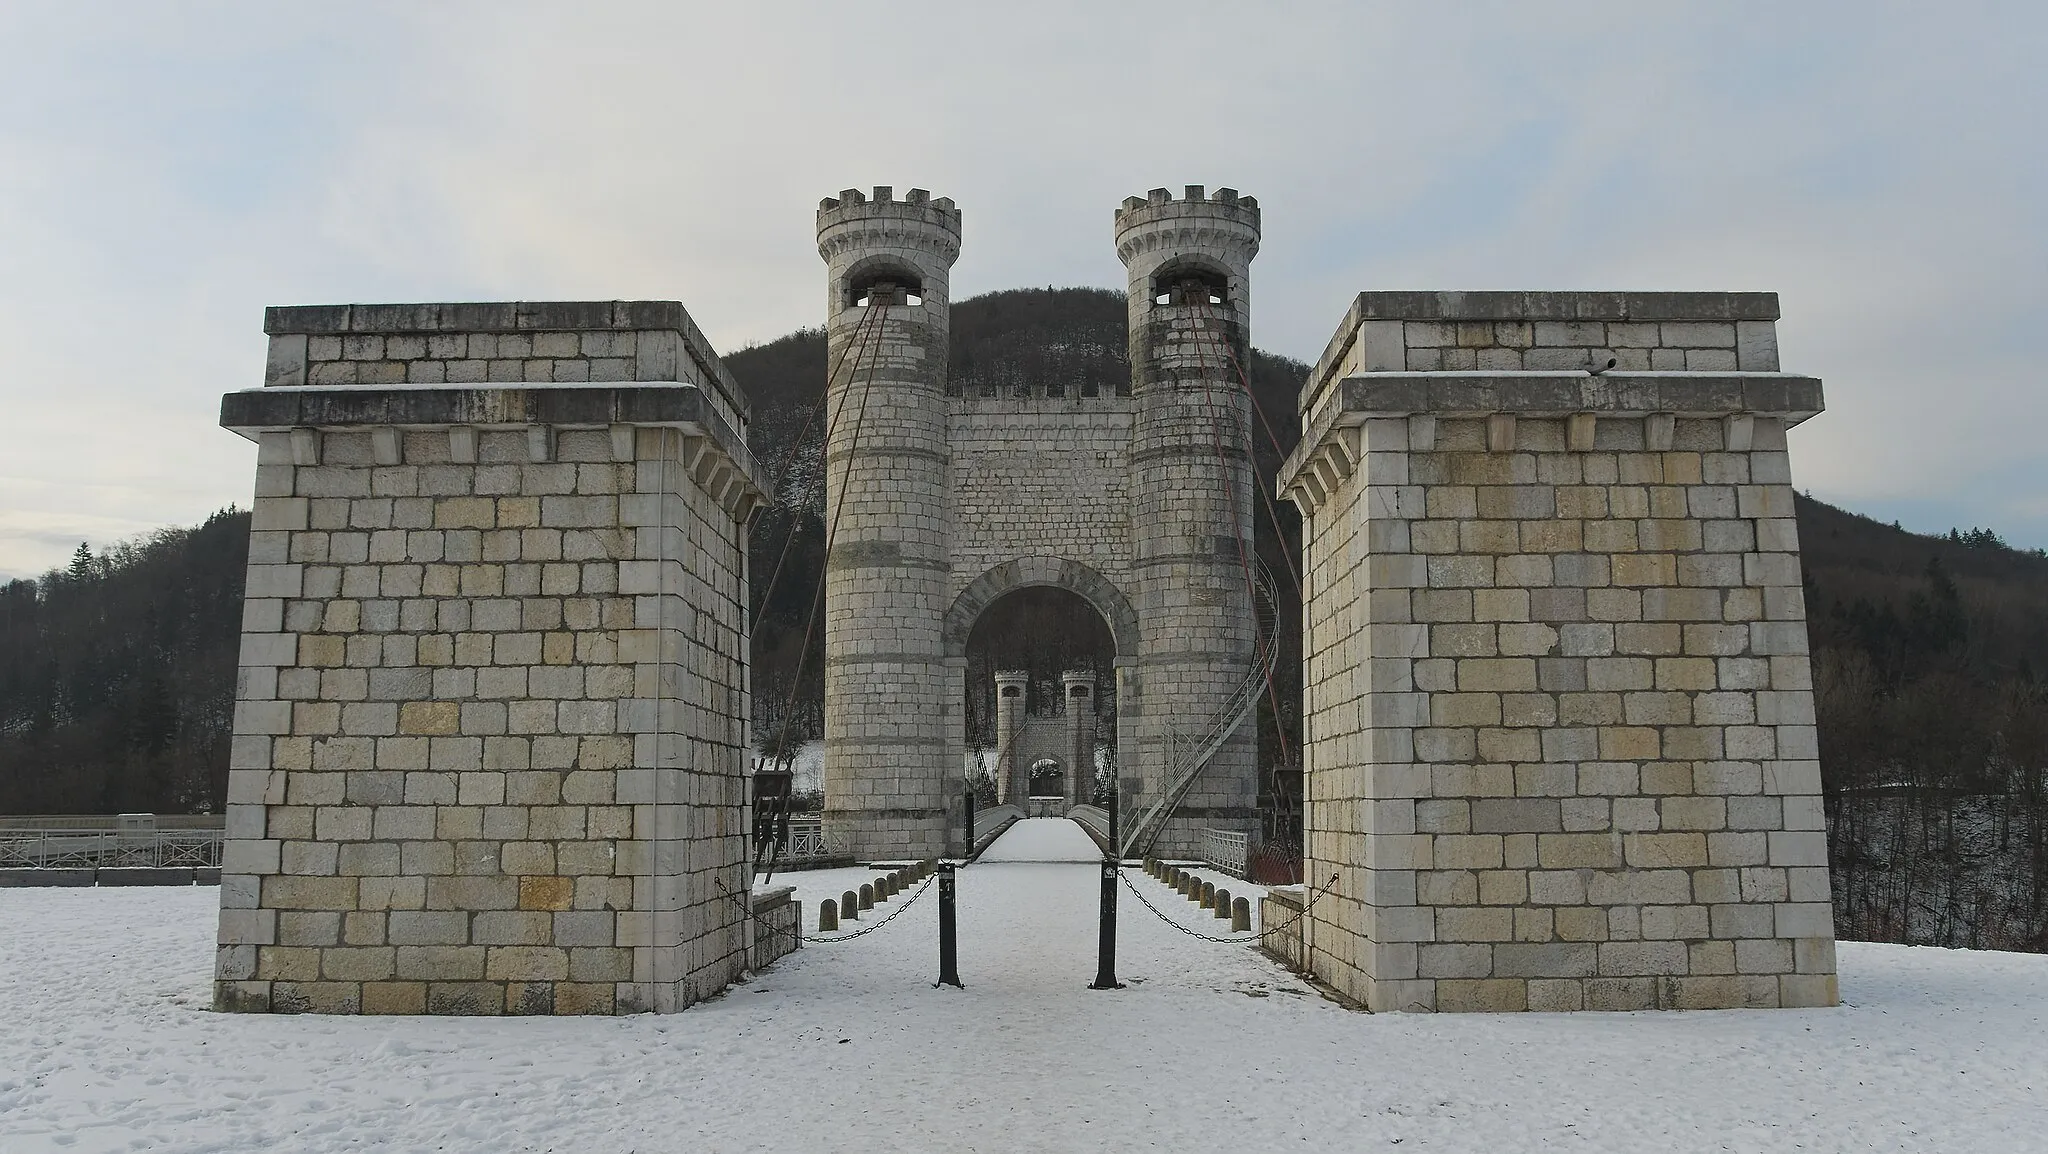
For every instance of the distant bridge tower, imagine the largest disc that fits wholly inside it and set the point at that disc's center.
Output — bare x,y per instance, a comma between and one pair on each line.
887,693
1077,688
1189,267
1013,762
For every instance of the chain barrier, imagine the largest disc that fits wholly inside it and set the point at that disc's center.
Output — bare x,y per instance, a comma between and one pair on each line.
1313,895
900,910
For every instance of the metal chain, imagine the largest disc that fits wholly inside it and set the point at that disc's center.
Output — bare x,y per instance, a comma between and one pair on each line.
914,895
1314,894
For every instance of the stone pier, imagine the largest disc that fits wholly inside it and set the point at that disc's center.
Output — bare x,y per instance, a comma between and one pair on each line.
491,717
1559,713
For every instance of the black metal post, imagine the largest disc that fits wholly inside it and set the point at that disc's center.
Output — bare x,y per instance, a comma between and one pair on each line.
1105,942
969,850
949,953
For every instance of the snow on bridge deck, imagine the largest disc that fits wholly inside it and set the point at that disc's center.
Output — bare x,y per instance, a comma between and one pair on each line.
847,1046
1042,839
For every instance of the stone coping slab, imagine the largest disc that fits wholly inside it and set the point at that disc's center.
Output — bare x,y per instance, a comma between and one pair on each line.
510,317
1413,305
596,405
1790,397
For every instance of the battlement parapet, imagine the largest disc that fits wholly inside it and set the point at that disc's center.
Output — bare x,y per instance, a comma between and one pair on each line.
853,220
1194,198
1158,223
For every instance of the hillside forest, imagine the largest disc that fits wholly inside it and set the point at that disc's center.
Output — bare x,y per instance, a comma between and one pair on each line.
1930,653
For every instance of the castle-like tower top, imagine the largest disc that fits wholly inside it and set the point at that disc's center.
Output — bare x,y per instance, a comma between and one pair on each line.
1157,222
854,219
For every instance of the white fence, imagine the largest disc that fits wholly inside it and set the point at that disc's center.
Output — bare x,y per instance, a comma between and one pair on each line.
808,840
88,849
1227,850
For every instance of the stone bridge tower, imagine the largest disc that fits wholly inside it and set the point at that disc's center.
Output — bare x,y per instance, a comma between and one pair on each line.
886,690
1189,268
1137,500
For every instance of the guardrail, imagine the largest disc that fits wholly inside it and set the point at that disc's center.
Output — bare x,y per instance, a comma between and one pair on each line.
108,848
1227,850
1095,820
990,823
106,822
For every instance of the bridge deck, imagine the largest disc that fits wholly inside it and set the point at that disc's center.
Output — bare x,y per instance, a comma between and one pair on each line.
1042,839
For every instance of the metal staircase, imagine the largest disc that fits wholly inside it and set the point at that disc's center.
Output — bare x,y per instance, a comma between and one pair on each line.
1189,758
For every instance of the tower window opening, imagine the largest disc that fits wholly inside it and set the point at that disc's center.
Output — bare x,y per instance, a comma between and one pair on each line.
1078,691
1011,691
1190,286
886,288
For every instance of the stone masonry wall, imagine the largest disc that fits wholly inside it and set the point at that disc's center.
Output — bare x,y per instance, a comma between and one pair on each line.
1559,718
490,717
1029,472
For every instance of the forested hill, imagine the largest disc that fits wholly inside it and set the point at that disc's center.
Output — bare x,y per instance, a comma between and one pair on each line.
117,673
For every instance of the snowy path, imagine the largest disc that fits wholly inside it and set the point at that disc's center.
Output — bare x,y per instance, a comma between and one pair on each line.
1042,839
847,1046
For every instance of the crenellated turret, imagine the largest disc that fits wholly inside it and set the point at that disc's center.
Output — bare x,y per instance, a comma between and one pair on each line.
1189,267
886,783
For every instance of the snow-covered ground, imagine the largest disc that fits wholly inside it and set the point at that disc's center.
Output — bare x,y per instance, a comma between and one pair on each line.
106,1044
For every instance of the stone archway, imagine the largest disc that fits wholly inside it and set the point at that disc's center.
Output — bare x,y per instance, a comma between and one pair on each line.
1057,572
1048,778
1079,691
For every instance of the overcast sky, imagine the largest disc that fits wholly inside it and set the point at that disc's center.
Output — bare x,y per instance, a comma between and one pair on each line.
166,170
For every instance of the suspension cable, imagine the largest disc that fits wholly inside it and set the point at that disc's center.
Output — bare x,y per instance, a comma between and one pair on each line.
779,814
1272,691
872,342
1244,379
1263,647
857,339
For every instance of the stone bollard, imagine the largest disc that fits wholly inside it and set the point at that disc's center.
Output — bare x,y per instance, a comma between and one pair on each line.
1208,896
885,886
867,896
1240,916
828,915
848,906
1221,901
1180,883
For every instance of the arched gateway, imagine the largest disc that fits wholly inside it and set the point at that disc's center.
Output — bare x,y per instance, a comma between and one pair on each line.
1138,499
